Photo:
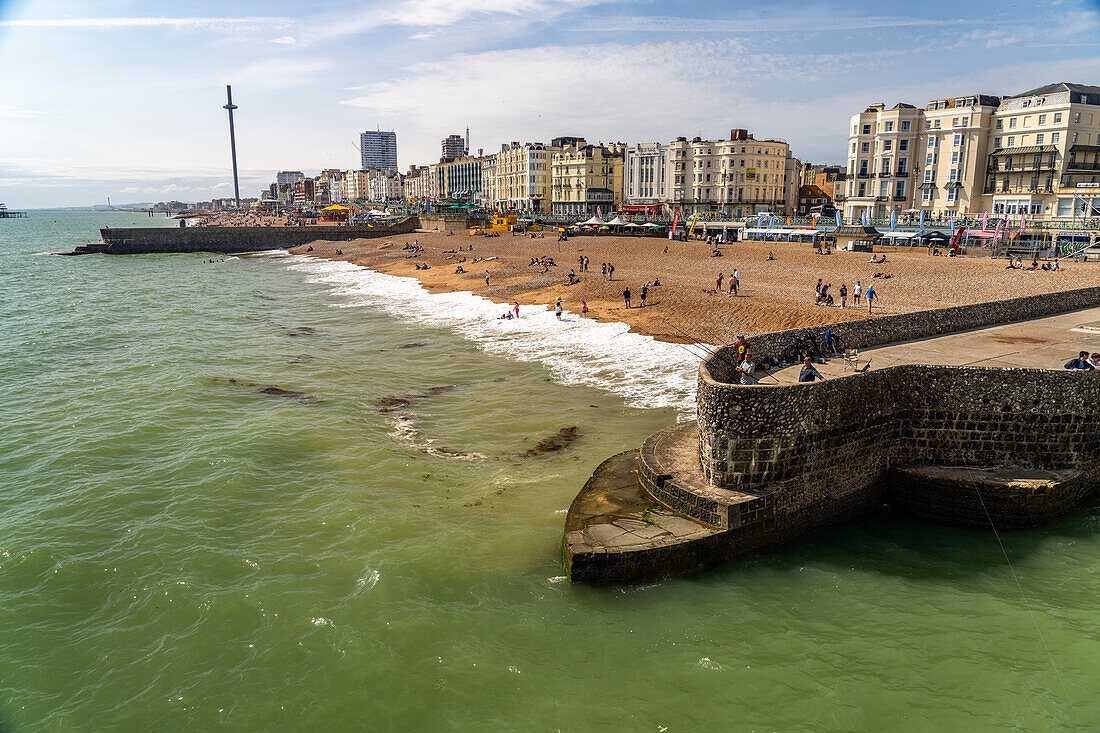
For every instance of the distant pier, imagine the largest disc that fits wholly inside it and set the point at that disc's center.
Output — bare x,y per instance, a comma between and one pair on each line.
231,239
5,213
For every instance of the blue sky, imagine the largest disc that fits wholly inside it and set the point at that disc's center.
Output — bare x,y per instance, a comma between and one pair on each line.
124,98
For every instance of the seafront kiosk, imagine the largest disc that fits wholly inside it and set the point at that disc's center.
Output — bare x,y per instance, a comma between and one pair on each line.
855,237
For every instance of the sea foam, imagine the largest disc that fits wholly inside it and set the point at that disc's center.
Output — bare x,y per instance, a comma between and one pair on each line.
643,371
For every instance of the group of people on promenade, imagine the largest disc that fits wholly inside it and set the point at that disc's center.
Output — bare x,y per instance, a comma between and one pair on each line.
1084,362
747,368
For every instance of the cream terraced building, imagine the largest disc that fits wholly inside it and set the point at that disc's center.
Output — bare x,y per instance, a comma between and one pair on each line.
521,177
585,179
741,176
1036,153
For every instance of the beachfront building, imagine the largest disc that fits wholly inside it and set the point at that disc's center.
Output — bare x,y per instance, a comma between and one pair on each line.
811,198
644,176
353,185
1028,153
378,149
1044,154
303,192
521,178
288,178
586,179
418,183
741,176
384,185
453,147
459,179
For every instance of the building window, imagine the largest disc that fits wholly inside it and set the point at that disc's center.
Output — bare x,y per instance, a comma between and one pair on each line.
899,189
866,131
933,142
887,145
926,195
1039,139
1057,117
931,159
862,189
1054,136
1042,119
954,121
955,157
905,125
1011,141
863,148
1000,124
957,141
955,175
952,195
884,188
903,146
929,175
1012,124
1077,118
889,126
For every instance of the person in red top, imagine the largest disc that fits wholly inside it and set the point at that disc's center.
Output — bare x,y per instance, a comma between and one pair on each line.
742,348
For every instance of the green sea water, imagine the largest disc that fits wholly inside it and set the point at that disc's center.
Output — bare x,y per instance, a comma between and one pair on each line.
180,549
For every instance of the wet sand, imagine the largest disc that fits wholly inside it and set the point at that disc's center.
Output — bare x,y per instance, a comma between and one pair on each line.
774,294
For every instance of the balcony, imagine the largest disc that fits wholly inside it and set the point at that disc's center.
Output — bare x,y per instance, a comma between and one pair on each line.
863,174
1092,167
899,198
901,173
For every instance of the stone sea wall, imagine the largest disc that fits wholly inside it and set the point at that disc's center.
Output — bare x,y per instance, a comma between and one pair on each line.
230,240
922,324
820,443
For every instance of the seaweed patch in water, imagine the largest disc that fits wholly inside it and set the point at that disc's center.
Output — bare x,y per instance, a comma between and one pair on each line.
556,442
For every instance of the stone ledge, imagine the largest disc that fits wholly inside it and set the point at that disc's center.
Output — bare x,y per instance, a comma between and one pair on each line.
1006,497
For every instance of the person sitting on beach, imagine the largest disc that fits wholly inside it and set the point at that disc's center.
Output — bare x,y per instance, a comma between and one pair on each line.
310,248
808,373
1081,363
459,270
339,252
656,282
716,253
771,255
507,315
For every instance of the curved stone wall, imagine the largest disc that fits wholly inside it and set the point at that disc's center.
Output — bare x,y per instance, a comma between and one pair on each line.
803,444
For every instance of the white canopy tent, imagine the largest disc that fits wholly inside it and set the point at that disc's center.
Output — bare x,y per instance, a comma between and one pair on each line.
618,221
594,221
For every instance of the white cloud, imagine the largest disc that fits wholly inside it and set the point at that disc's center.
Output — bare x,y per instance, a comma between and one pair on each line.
440,13
805,22
284,40
116,23
422,36
9,111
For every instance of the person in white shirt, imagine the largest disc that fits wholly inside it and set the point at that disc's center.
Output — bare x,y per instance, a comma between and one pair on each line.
747,369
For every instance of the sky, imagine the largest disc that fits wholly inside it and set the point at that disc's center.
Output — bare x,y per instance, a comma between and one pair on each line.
124,99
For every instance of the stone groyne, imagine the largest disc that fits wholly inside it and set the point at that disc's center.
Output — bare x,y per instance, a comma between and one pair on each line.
764,465
233,239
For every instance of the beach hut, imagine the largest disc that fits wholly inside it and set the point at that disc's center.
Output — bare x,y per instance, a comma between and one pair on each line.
856,237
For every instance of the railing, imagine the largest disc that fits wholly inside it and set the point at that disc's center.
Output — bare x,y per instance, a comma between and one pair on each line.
1083,166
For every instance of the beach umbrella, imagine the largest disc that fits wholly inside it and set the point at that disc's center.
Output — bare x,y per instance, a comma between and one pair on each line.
893,218
921,219
839,219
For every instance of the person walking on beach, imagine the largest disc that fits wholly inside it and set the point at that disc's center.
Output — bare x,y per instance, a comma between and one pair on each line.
515,307
626,297
870,297
735,282
486,277
557,308
584,309
586,263
645,289
817,291
843,295
718,287
856,292
603,269
610,272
